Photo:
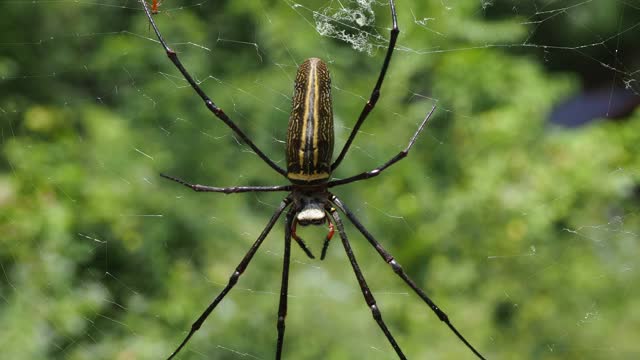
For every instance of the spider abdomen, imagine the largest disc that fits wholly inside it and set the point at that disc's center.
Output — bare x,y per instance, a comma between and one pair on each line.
310,133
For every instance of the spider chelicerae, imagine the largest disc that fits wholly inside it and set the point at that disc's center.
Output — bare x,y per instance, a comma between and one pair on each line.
309,153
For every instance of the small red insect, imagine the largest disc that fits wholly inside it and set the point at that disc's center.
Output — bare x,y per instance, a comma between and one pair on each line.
155,4
154,9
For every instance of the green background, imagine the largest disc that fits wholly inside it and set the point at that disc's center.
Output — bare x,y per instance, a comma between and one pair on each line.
525,233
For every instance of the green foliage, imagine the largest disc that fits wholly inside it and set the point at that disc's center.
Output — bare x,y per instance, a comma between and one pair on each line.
526,234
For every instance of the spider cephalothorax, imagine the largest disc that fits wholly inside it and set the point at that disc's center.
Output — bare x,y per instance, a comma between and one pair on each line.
310,207
309,152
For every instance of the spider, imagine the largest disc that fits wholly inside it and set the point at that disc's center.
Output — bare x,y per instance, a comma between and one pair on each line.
309,151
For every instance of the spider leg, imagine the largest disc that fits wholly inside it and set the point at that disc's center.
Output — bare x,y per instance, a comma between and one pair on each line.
388,258
284,287
298,239
368,296
325,246
228,190
218,112
401,155
236,274
375,94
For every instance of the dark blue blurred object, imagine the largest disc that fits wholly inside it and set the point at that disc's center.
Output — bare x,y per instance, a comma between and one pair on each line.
595,104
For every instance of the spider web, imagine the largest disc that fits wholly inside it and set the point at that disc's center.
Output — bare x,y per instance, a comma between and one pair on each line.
517,209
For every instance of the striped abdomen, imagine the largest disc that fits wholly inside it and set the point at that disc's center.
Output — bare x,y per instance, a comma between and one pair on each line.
310,134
